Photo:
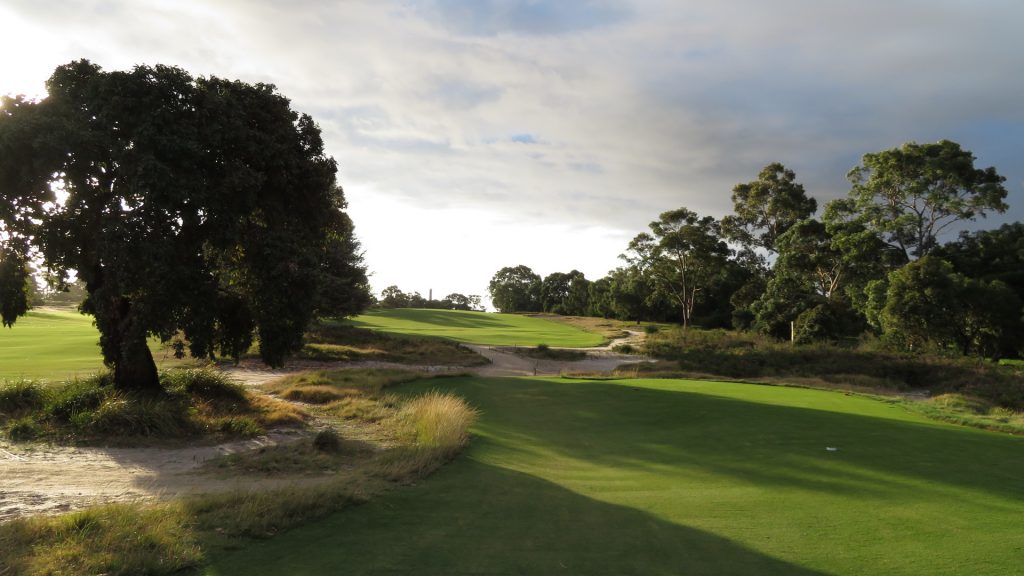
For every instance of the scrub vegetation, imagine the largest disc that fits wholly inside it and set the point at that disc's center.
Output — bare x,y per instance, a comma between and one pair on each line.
424,431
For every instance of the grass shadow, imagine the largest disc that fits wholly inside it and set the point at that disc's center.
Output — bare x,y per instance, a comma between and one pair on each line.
475,518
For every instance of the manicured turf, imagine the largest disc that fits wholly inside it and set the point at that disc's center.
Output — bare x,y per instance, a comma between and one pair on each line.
681,477
52,345
478,327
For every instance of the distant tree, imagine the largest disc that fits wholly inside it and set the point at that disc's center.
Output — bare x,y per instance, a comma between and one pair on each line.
456,301
188,205
990,255
393,297
565,293
631,294
599,298
911,194
554,289
683,253
515,289
767,207
928,302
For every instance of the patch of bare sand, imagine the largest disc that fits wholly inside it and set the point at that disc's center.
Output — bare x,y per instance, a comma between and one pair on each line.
47,479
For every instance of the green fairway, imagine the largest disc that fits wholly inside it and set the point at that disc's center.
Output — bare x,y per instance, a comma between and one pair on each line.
478,327
681,477
52,345
49,345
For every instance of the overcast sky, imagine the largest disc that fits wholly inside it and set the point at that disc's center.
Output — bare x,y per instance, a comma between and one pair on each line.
477,134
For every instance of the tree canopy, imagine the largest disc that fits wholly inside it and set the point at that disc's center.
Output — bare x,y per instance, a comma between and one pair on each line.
911,194
197,207
767,207
515,289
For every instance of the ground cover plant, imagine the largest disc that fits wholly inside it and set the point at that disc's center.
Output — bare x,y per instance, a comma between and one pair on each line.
197,403
426,429
681,477
54,345
478,327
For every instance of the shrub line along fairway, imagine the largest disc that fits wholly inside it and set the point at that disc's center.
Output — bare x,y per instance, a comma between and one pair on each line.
478,327
681,477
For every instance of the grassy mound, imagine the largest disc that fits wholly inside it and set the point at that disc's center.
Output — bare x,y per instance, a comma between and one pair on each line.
478,327
198,402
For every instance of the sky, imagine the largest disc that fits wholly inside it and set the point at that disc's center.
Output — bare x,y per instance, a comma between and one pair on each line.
477,134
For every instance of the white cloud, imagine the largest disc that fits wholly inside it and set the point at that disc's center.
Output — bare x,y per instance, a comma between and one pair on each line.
621,110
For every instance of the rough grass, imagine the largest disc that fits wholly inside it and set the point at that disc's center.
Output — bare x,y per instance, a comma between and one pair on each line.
477,327
116,540
335,341
164,538
199,403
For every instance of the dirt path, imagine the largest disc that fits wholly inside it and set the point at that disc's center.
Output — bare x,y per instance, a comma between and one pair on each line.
46,479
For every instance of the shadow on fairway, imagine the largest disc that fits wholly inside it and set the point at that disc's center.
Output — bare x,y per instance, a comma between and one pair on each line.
446,319
478,519
631,427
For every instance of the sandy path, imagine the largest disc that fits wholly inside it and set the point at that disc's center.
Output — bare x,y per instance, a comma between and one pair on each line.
46,479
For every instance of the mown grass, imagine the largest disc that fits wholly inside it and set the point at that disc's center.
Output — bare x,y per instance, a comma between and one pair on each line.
56,345
198,403
127,540
336,341
681,477
477,327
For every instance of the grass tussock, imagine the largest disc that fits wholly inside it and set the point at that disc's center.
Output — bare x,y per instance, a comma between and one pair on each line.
333,341
325,452
119,539
197,403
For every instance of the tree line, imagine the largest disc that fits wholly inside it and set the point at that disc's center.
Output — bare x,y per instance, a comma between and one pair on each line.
394,297
870,263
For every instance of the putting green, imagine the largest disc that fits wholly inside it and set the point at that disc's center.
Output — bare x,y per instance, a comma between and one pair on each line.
477,327
681,477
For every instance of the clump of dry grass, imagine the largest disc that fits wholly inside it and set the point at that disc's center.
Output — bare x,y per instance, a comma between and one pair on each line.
121,539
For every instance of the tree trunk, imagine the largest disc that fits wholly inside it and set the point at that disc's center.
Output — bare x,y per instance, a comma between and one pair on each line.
135,370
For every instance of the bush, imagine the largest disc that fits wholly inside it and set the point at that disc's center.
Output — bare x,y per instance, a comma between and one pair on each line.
24,430
21,396
651,329
327,441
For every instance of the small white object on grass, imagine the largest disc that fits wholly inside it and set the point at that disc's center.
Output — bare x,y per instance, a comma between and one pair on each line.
832,449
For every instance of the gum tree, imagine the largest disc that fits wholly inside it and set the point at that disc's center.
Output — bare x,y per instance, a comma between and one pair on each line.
911,194
201,210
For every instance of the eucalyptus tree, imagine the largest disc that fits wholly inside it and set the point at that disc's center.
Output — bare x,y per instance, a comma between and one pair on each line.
767,207
196,207
683,254
515,289
911,194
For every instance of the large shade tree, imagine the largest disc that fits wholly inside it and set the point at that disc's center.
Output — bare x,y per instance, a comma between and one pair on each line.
196,208
911,194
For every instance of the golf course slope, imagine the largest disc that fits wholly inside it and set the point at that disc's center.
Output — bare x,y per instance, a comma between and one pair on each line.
477,327
680,477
